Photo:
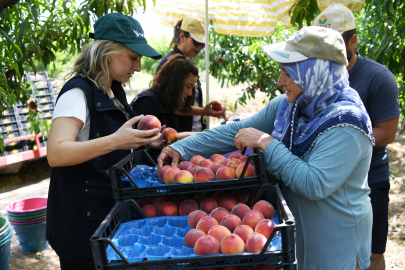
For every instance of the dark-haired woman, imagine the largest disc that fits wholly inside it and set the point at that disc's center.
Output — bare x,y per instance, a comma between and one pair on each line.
189,40
171,95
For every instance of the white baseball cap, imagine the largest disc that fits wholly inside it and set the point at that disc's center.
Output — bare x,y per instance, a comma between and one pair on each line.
337,17
309,42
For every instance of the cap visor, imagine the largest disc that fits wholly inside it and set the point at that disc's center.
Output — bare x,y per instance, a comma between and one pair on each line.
144,49
198,38
275,52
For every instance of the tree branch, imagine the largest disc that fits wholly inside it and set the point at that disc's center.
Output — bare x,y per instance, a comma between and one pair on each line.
6,3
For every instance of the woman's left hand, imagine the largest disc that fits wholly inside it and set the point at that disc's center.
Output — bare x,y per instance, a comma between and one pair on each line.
210,112
253,138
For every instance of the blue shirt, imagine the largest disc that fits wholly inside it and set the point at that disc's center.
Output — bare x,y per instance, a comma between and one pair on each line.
379,92
326,191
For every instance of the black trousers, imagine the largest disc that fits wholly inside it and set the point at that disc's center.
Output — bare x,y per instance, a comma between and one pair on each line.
65,265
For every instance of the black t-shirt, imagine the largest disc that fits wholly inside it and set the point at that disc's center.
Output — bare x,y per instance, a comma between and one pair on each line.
379,92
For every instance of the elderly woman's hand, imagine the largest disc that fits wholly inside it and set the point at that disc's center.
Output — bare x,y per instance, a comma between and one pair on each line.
168,154
210,112
253,138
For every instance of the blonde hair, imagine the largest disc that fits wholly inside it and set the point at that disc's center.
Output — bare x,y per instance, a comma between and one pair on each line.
92,62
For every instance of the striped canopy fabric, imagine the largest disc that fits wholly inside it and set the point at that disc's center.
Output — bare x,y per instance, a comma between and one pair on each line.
247,18
353,5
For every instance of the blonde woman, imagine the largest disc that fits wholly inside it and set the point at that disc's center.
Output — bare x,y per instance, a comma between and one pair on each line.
91,131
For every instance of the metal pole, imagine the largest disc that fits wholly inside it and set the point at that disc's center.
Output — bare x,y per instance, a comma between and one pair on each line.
207,59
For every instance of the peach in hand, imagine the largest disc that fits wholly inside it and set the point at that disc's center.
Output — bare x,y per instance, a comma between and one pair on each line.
170,135
149,122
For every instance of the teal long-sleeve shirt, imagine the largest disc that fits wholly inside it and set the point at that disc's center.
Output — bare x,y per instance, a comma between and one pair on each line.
327,190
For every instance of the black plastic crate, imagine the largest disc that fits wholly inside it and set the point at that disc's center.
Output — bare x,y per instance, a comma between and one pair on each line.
125,166
129,210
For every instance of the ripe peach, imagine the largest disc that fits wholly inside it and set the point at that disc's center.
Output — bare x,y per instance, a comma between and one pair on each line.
219,213
256,242
206,223
150,210
170,135
231,222
163,171
231,244
244,231
235,155
217,106
228,202
208,205
234,163
183,177
187,206
225,173
217,158
192,237
205,163
240,210
194,217
218,195
178,200
142,202
265,227
159,200
218,232
225,161
238,193
252,218
149,122
32,105
168,209
193,169
199,197
246,195
265,208
196,159
203,175
169,175
250,170
244,158
184,165
214,167
206,245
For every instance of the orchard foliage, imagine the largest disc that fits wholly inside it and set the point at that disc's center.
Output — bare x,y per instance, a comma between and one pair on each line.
37,30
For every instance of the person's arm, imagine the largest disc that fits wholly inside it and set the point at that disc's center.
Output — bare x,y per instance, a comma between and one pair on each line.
221,139
384,132
63,150
206,111
384,107
334,157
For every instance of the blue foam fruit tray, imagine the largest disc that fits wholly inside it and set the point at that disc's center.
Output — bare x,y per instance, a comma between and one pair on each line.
159,238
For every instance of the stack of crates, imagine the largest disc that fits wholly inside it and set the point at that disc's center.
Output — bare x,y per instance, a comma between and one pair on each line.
14,122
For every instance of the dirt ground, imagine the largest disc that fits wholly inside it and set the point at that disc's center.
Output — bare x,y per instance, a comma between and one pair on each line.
47,259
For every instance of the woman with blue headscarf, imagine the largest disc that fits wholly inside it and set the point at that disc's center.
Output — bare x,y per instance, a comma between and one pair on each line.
317,139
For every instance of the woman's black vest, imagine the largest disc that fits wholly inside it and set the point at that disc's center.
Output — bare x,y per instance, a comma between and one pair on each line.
80,196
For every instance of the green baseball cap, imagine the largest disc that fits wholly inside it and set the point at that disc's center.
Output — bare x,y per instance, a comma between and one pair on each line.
126,30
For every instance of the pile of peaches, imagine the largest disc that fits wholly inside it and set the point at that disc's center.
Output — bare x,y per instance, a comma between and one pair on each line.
199,169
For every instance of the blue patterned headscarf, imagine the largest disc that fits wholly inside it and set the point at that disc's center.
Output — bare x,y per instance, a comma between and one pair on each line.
327,102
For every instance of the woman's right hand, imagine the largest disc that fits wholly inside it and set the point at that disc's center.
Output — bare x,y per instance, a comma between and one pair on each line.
127,137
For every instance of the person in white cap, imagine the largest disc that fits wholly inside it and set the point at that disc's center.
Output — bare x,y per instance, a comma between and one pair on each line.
304,134
378,90
189,40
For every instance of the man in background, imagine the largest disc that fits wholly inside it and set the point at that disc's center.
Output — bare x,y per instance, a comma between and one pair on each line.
378,90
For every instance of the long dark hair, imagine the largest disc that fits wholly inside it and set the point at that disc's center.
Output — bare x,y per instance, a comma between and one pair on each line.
177,31
168,82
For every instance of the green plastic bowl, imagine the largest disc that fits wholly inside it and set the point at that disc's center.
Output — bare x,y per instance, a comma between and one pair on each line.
3,224
26,217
